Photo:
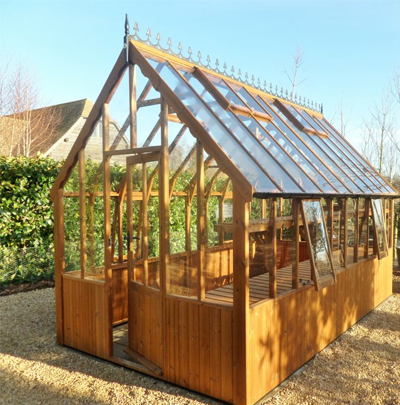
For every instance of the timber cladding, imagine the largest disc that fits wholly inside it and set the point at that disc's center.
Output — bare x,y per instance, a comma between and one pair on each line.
84,310
199,347
287,332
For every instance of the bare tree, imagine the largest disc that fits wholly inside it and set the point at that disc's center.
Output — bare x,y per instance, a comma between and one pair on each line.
380,133
293,75
395,84
24,128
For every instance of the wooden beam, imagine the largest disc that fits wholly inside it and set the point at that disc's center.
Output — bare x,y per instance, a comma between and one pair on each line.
196,128
356,231
346,219
296,237
82,212
132,151
241,321
366,213
132,106
164,201
391,223
105,96
107,227
148,103
272,269
330,221
200,222
145,234
59,253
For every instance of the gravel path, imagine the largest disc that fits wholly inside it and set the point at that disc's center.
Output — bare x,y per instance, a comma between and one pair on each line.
360,367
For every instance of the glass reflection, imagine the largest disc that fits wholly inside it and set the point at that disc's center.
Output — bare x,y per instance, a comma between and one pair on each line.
380,232
318,240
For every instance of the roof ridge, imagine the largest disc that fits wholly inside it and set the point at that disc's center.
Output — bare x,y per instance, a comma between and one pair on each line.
250,81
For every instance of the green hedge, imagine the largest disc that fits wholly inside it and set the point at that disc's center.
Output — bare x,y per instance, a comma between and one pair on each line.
26,219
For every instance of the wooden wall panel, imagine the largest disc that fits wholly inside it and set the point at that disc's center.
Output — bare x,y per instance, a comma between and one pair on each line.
285,333
199,345
145,327
120,295
85,316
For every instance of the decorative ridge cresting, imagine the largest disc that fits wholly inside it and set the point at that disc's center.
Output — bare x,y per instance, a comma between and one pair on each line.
239,76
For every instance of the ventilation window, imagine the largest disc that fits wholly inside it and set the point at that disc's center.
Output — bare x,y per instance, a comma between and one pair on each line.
299,119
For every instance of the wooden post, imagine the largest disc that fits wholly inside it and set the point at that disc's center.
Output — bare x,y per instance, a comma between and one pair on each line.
263,206
221,215
107,225
331,214
272,269
296,235
129,217
391,223
132,106
188,215
82,211
366,214
164,200
119,206
345,231
145,233
59,252
356,231
200,222
241,214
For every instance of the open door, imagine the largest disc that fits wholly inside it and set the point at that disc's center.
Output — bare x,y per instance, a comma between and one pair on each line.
145,318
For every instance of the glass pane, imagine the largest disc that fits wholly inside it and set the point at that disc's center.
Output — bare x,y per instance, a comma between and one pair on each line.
297,113
216,130
338,234
379,222
250,143
362,230
314,219
378,182
271,145
351,230
225,90
317,156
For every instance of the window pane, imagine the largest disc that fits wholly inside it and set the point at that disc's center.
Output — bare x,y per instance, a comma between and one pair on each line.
379,222
314,220
303,142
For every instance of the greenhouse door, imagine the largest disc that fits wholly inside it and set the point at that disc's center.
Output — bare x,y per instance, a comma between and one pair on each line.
144,302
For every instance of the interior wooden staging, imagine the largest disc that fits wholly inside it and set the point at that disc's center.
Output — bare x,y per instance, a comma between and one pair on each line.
231,320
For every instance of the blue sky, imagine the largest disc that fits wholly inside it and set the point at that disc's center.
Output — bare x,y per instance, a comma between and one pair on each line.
350,47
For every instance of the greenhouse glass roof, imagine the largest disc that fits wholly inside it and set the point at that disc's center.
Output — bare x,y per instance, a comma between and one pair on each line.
280,147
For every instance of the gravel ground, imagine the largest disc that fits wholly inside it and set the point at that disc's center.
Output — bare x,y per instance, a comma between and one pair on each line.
360,367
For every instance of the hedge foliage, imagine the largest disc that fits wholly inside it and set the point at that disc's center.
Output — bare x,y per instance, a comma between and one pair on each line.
26,217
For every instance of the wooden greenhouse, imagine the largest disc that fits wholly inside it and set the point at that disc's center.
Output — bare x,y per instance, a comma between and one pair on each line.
239,237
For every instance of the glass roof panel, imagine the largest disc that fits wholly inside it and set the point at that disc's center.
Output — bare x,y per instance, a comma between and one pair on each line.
318,156
315,141
250,143
216,130
275,150
279,147
225,90
364,166
291,149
